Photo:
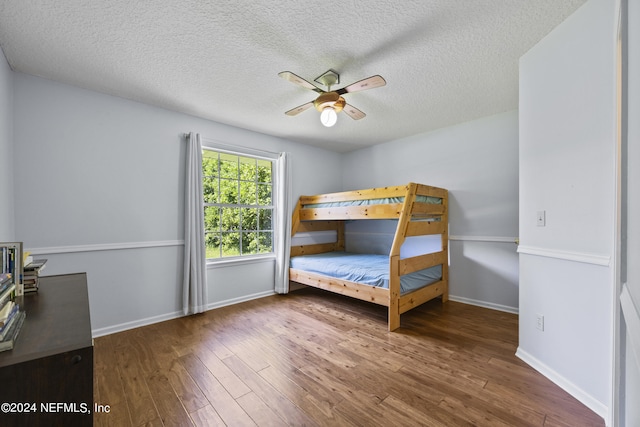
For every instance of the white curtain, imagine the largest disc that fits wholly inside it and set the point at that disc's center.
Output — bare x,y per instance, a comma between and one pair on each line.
194,285
282,235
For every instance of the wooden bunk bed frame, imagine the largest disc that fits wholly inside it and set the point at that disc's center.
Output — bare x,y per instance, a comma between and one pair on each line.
414,219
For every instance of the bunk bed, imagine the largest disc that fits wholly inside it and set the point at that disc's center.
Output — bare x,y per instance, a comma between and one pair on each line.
399,283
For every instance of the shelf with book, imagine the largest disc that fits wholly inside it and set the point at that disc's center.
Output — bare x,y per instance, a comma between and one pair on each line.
11,314
11,263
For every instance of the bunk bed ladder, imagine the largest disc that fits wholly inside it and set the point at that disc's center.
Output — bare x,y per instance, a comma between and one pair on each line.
394,257
445,248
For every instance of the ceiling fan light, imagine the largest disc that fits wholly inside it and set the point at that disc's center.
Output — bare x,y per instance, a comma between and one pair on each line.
339,104
328,117
327,99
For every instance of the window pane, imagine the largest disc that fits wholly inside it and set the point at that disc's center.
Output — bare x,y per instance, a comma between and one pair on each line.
212,245
230,219
247,193
228,191
249,219
211,218
228,166
248,169
264,171
234,186
230,244
250,243
264,220
210,189
265,242
209,163
264,194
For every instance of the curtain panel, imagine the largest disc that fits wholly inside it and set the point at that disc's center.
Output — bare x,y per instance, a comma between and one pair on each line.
282,237
194,285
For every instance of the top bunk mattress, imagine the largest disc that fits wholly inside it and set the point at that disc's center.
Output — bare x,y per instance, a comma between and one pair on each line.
368,269
378,201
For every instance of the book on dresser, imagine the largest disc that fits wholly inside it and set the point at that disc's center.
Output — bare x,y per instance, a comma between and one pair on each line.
11,319
13,328
11,275
31,276
7,290
11,263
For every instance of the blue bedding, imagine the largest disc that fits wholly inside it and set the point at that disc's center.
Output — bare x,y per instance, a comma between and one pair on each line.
367,269
367,202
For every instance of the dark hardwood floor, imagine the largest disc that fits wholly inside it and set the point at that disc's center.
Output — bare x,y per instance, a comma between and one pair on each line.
314,358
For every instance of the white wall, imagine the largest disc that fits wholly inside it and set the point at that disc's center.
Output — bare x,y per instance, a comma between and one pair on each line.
99,189
478,163
567,168
6,152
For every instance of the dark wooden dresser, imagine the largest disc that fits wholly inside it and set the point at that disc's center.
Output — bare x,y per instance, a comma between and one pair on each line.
47,379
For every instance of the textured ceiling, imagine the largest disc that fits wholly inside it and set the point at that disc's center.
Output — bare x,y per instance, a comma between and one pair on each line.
445,61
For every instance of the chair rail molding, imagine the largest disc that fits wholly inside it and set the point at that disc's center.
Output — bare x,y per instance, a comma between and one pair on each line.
104,247
586,258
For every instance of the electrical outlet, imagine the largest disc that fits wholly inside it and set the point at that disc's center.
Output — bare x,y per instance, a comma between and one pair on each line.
540,322
541,218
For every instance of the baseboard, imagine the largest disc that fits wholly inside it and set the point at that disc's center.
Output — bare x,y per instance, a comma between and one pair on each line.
485,304
135,324
176,314
575,391
238,300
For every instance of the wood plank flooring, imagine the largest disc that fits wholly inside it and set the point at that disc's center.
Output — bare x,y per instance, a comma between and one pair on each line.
312,358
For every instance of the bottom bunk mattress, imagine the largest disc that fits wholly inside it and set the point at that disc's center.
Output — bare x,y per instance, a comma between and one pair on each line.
367,269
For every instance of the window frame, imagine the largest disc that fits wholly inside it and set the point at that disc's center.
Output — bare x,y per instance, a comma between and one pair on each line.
219,147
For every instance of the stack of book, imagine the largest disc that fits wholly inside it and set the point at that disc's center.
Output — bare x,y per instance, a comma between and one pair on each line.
11,262
31,275
11,317
6,285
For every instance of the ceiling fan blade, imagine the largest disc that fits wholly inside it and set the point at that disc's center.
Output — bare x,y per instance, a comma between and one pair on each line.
299,109
294,78
353,112
368,83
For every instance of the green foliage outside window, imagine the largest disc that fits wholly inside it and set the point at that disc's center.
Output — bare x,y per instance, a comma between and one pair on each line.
238,205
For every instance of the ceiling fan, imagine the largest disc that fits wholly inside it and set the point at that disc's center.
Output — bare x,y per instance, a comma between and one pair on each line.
331,102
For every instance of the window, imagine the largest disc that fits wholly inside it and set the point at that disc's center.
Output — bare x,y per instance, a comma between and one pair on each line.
238,204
